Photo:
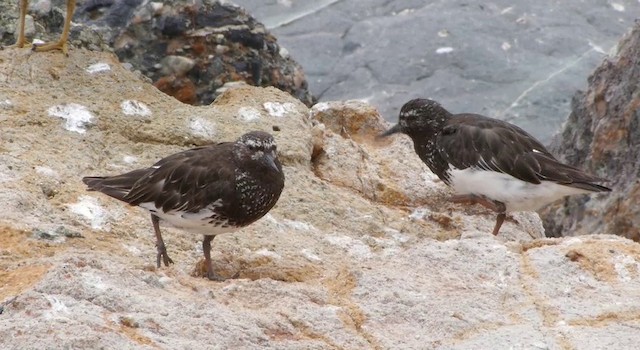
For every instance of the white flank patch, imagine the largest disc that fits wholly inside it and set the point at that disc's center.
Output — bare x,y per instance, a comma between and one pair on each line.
442,50
248,114
77,116
202,127
46,171
516,194
133,107
129,159
278,110
617,7
88,208
98,68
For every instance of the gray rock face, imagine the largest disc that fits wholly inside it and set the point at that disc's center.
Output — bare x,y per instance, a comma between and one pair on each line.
521,61
603,135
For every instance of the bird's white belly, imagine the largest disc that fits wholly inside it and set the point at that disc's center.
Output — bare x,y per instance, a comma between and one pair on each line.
516,194
200,223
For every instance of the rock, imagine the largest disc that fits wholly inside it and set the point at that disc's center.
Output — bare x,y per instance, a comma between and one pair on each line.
602,135
516,60
331,266
188,50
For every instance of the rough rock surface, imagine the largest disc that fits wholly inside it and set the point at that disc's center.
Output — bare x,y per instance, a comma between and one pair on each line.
380,263
189,50
603,135
518,60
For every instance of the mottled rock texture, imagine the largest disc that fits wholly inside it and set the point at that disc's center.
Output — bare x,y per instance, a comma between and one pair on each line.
361,252
190,50
602,135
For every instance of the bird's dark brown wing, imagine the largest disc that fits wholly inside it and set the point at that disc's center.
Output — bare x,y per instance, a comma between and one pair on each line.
188,180
471,140
115,186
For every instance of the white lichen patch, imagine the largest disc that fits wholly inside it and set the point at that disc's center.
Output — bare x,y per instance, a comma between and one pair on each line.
133,107
627,267
131,249
6,104
248,114
98,68
202,127
57,310
419,213
617,6
298,225
88,208
130,159
278,110
264,252
94,281
354,247
321,107
46,171
443,50
310,256
77,117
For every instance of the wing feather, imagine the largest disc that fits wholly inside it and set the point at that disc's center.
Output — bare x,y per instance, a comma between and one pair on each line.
491,144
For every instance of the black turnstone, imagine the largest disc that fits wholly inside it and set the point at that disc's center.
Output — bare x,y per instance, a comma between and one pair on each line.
206,190
61,44
488,161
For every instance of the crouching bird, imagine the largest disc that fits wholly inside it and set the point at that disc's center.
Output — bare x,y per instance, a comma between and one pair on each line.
206,190
488,161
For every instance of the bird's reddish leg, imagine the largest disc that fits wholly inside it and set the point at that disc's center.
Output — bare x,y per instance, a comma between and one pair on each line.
206,249
162,250
496,206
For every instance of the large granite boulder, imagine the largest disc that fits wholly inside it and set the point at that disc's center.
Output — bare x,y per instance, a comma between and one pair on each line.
361,252
190,50
602,136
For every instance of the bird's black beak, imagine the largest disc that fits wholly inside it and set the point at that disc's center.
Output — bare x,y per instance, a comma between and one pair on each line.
395,129
270,160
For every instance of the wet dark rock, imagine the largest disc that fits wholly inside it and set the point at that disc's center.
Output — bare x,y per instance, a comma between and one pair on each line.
602,136
222,42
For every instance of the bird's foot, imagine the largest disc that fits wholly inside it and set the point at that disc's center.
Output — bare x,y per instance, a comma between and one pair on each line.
58,45
162,255
214,276
19,44
203,269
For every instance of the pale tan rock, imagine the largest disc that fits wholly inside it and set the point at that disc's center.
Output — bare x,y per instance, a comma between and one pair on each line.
359,253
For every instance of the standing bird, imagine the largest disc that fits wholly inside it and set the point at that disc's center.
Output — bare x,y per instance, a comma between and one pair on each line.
206,190
488,161
60,44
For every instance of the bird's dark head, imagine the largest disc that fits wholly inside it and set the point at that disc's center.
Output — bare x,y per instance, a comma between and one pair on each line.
418,117
260,148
